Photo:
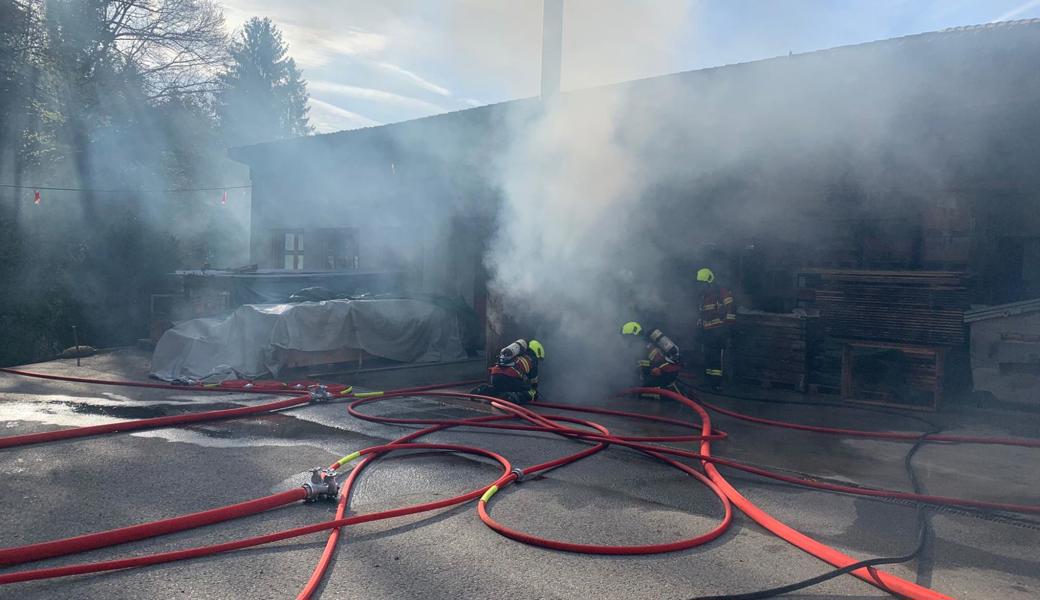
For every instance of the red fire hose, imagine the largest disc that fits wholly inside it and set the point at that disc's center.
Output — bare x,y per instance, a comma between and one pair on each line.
881,435
330,546
171,420
220,388
135,424
93,541
589,432
137,384
875,577
265,539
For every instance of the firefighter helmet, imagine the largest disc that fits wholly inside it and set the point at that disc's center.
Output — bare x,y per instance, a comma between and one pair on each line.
705,275
536,347
631,328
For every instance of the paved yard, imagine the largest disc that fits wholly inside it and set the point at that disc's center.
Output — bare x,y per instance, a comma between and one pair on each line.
79,486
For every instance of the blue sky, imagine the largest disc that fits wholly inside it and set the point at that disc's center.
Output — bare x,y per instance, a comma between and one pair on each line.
380,61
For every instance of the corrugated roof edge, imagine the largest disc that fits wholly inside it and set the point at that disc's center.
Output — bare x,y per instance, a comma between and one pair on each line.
1002,310
238,153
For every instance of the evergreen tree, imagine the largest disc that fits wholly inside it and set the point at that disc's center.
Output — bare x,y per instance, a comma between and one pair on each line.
265,96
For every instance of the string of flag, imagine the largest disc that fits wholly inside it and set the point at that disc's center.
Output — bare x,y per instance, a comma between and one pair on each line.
37,197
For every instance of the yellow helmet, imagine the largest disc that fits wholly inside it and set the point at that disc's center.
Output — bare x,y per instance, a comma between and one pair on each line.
705,275
536,347
631,328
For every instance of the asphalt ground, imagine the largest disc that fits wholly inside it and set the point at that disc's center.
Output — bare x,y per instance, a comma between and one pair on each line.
618,496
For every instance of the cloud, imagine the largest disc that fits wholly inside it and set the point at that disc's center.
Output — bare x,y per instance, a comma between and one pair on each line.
416,79
1018,10
426,57
374,95
315,39
312,48
328,117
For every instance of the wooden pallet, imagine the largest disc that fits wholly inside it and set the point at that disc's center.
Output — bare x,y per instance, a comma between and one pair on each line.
920,368
773,349
912,307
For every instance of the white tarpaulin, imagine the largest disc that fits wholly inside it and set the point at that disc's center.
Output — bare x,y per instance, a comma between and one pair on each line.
246,343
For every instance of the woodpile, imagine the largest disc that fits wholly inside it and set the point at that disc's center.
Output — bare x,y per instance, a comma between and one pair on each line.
774,348
825,365
913,307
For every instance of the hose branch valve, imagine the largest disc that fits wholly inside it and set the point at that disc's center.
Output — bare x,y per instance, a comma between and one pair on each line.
322,485
319,393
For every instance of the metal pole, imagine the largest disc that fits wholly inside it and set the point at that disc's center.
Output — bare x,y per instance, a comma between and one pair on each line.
75,339
552,46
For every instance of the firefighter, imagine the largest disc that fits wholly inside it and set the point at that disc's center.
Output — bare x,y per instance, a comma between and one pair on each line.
514,377
660,363
718,313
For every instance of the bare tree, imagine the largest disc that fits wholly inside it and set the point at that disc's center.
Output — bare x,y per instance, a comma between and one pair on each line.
176,47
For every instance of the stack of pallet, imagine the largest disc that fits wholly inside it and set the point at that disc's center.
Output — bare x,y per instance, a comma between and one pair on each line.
825,366
774,349
913,307
893,374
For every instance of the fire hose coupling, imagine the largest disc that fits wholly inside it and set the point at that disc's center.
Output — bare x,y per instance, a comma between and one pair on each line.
185,381
322,485
319,393
518,475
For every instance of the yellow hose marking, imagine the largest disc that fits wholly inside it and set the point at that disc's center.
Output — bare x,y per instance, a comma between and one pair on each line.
488,494
348,458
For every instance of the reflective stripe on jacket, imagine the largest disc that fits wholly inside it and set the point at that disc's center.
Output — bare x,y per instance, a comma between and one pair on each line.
717,308
524,368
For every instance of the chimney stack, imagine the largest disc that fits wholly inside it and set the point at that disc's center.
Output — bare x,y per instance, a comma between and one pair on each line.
552,46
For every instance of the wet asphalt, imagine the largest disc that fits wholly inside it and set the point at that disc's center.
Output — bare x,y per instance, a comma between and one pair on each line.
80,486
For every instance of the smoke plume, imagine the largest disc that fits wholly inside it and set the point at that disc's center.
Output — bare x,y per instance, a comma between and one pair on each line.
614,196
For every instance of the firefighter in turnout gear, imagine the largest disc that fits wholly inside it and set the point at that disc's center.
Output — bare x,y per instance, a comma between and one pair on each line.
718,314
660,363
514,377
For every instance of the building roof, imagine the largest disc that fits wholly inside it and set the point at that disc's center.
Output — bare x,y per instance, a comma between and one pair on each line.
248,154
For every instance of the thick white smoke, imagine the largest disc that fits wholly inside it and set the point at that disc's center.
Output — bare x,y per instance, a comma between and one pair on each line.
612,197
568,257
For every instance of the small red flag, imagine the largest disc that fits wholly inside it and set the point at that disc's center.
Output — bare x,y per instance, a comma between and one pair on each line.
223,199
36,197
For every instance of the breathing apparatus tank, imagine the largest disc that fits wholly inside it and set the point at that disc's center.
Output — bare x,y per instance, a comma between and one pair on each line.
508,354
665,345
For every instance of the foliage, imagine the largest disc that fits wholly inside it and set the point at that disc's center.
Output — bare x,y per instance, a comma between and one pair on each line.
102,95
264,97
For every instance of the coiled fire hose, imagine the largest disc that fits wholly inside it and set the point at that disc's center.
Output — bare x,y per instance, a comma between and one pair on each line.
577,429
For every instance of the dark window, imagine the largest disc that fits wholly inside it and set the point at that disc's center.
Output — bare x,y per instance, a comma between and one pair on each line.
287,249
337,248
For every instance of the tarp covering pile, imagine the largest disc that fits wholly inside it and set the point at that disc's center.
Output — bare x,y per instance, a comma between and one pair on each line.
249,342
